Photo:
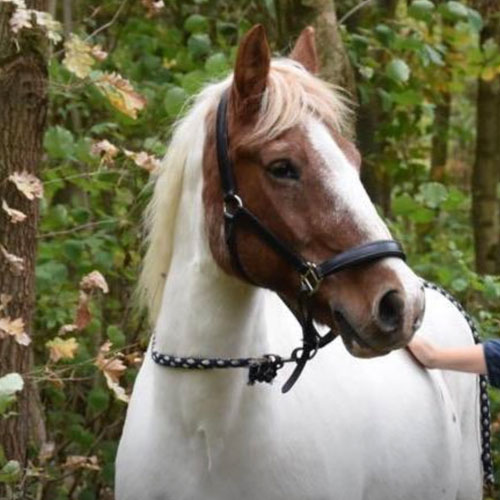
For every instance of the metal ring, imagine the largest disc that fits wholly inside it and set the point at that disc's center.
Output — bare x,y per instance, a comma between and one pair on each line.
232,204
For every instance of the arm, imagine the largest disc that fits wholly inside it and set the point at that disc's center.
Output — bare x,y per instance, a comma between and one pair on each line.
466,359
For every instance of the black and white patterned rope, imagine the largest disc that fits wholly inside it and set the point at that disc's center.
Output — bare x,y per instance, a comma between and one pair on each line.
265,368
484,402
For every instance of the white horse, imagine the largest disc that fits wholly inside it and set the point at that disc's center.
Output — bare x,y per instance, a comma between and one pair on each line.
350,429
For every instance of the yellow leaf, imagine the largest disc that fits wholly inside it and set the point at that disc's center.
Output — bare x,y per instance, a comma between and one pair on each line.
16,263
120,94
62,348
489,73
27,184
92,281
14,215
77,56
144,160
14,328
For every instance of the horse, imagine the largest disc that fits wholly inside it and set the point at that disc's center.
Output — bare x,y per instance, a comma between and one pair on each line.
364,420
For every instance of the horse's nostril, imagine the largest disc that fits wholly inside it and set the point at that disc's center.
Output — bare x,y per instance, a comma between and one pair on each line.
390,311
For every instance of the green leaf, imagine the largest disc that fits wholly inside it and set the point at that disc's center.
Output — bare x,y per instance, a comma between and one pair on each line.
421,9
217,64
98,399
459,284
433,193
116,336
398,70
59,143
10,472
422,215
174,101
453,11
196,23
199,45
404,205
9,385
475,19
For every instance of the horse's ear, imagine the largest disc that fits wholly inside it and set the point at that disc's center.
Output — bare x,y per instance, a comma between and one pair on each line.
251,70
304,51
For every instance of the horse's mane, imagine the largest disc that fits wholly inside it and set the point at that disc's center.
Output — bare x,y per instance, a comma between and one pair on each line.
292,94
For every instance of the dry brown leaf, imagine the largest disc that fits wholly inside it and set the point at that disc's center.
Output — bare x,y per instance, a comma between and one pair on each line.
20,19
14,328
46,451
98,53
15,216
70,328
83,315
144,160
52,377
105,149
120,94
62,348
112,368
153,7
81,462
27,184
4,301
94,281
16,263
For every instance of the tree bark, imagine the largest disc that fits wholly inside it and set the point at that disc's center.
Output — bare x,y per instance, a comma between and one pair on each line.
23,109
294,15
485,173
439,152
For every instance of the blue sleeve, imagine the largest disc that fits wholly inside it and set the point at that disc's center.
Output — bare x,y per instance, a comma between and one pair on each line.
492,357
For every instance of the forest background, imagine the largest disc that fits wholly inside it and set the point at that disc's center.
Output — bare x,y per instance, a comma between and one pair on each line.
89,91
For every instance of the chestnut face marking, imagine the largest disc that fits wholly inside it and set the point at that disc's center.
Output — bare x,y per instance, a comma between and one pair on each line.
302,182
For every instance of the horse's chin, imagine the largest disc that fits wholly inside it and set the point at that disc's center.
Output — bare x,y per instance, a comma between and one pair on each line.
361,352
354,341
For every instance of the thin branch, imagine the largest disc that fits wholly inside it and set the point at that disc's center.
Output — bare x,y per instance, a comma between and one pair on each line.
355,9
109,23
76,228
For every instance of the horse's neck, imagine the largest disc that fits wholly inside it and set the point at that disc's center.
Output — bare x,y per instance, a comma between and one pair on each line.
205,312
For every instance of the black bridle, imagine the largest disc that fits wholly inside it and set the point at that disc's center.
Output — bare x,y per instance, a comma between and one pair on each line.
311,274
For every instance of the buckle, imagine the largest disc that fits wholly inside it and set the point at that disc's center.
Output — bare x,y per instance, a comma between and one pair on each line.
310,279
232,205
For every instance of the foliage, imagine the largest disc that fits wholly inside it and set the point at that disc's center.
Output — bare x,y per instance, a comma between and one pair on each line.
114,95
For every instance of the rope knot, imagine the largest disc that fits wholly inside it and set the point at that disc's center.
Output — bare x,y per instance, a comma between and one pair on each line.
264,370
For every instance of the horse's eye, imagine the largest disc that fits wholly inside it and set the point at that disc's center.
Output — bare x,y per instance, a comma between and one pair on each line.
284,169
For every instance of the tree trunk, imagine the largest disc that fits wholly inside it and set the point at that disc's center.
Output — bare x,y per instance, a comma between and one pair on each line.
370,115
439,153
23,107
294,15
485,176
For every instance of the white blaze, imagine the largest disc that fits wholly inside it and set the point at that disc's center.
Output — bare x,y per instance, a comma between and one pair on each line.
342,180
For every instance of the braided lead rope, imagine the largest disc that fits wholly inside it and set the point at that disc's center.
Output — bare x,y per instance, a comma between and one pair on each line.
484,402
263,369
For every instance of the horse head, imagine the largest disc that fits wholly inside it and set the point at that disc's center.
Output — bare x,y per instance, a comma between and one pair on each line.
299,174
